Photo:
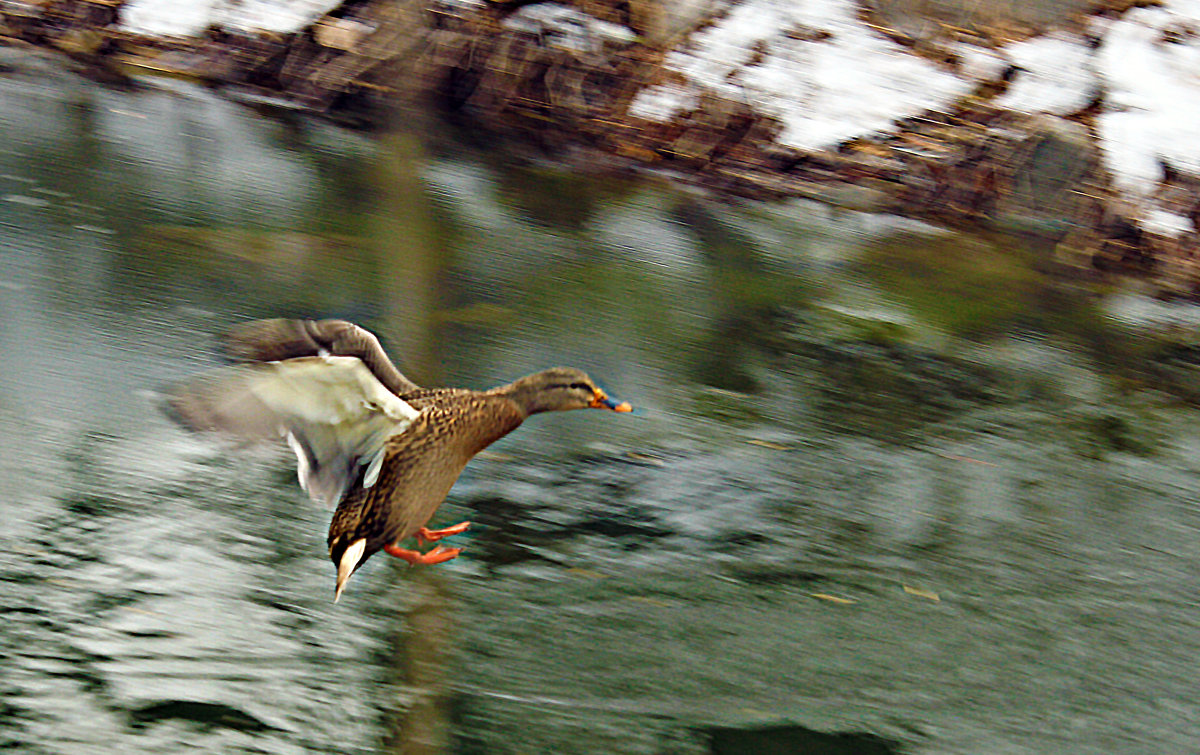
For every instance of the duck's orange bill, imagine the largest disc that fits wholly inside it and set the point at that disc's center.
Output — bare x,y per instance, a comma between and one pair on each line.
602,401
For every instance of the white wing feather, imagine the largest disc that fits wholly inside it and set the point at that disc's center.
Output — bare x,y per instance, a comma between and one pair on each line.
333,412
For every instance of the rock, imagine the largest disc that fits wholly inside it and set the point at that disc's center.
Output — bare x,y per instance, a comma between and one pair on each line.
341,33
1048,175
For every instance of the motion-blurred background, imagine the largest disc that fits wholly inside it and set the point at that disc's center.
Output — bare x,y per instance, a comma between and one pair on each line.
902,292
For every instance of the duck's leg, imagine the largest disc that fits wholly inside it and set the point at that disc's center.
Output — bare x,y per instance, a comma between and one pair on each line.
425,535
435,556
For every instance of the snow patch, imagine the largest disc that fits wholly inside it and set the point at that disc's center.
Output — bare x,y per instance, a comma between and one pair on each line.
189,17
1169,224
1056,77
659,103
1153,96
981,63
811,64
565,27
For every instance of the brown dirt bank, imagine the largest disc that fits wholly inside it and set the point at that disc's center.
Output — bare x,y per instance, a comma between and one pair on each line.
565,86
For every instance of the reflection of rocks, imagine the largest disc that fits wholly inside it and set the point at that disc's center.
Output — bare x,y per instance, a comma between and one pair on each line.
1101,431
1175,364
882,572
617,507
888,391
762,740
206,715
885,390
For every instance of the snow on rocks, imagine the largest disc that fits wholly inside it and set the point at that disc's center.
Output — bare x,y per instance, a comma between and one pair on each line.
1150,64
828,77
189,17
813,65
568,28
1055,75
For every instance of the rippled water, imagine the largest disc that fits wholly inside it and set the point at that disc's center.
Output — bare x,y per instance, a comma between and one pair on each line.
888,488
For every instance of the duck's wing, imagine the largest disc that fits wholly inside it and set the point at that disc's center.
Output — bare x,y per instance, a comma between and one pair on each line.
333,412
279,339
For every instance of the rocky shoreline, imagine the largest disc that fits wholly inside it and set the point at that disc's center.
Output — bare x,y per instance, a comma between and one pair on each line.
583,80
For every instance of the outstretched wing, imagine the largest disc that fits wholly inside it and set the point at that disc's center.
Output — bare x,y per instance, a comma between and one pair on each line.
271,340
333,412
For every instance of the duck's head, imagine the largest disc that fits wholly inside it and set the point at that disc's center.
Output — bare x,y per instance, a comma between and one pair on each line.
560,389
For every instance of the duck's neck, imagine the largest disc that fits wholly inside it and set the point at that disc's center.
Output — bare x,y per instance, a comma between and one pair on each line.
526,393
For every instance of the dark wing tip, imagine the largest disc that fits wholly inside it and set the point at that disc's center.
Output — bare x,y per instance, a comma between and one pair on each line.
183,407
268,341
220,401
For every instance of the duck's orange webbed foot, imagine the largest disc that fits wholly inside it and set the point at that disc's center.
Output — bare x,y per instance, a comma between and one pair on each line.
425,535
435,556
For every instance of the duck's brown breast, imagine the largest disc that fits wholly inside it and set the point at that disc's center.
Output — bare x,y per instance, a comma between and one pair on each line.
422,463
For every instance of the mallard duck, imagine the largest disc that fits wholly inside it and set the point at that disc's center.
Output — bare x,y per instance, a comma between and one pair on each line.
366,438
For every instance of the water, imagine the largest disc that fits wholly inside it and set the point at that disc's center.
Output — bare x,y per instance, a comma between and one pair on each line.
888,488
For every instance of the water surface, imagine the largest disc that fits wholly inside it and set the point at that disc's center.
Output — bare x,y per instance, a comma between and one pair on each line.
883,479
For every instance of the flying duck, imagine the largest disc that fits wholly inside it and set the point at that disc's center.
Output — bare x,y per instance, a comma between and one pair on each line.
367,439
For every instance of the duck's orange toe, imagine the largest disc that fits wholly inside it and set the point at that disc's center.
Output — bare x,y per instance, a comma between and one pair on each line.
440,554
425,535
435,556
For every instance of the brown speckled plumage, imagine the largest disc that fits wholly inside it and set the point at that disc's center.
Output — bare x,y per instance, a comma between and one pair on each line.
388,464
420,466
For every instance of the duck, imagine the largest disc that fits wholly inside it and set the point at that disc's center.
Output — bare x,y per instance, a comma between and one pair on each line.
368,441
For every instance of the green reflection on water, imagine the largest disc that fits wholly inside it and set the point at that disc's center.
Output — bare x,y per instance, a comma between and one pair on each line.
988,287
287,270
555,198
971,286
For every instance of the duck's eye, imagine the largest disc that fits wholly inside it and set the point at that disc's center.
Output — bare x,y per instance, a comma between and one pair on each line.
570,386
